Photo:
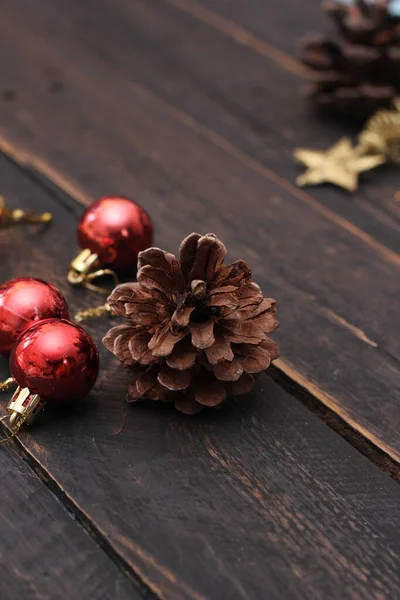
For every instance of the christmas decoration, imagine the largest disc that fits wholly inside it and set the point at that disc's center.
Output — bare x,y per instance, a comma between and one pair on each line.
381,134
339,165
53,362
359,73
195,328
10,218
23,302
112,232
94,313
378,142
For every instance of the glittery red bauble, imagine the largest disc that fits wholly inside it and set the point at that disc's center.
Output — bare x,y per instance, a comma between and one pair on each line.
23,302
116,229
57,360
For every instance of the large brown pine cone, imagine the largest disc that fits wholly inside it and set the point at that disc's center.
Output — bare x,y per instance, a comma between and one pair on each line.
195,328
359,73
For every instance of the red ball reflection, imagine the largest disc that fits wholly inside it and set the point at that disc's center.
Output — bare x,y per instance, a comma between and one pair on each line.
23,302
116,229
57,360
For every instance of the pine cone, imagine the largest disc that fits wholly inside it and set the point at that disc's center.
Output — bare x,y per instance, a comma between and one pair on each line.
195,328
360,73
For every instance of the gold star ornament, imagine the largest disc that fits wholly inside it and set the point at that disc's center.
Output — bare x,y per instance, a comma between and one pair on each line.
339,165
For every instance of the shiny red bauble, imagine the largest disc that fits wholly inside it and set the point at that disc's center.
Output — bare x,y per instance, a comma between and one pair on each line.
116,229
57,360
23,302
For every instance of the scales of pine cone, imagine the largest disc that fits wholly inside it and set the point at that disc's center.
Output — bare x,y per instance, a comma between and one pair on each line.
196,329
359,73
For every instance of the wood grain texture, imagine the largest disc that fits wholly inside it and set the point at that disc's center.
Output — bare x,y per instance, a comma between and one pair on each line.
44,553
276,36
337,290
252,101
282,27
260,498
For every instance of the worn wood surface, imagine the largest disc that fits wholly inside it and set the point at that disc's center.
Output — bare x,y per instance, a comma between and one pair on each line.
44,552
81,113
260,496
277,40
168,101
249,98
281,30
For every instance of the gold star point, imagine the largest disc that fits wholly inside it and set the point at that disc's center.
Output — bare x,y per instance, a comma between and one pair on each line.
340,165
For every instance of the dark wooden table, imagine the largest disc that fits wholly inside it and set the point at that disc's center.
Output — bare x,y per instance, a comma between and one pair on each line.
193,108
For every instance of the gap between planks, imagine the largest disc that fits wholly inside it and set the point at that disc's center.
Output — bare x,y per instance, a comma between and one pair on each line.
25,158
246,38
145,587
257,44
27,161
241,35
382,455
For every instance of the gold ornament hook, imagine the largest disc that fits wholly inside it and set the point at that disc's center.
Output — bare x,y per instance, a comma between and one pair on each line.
100,273
7,384
97,311
9,437
81,273
10,218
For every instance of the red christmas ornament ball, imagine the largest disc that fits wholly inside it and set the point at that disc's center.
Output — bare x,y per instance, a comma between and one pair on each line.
116,229
57,360
23,302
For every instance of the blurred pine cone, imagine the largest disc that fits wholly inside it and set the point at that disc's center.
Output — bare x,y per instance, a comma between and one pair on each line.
359,73
195,328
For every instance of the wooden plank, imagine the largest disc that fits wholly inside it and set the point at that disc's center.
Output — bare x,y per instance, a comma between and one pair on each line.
134,56
260,496
44,552
274,33
336,289
253,101
280,25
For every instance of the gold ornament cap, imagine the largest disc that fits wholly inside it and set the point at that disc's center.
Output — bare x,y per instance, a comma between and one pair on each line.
83,270
22,409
